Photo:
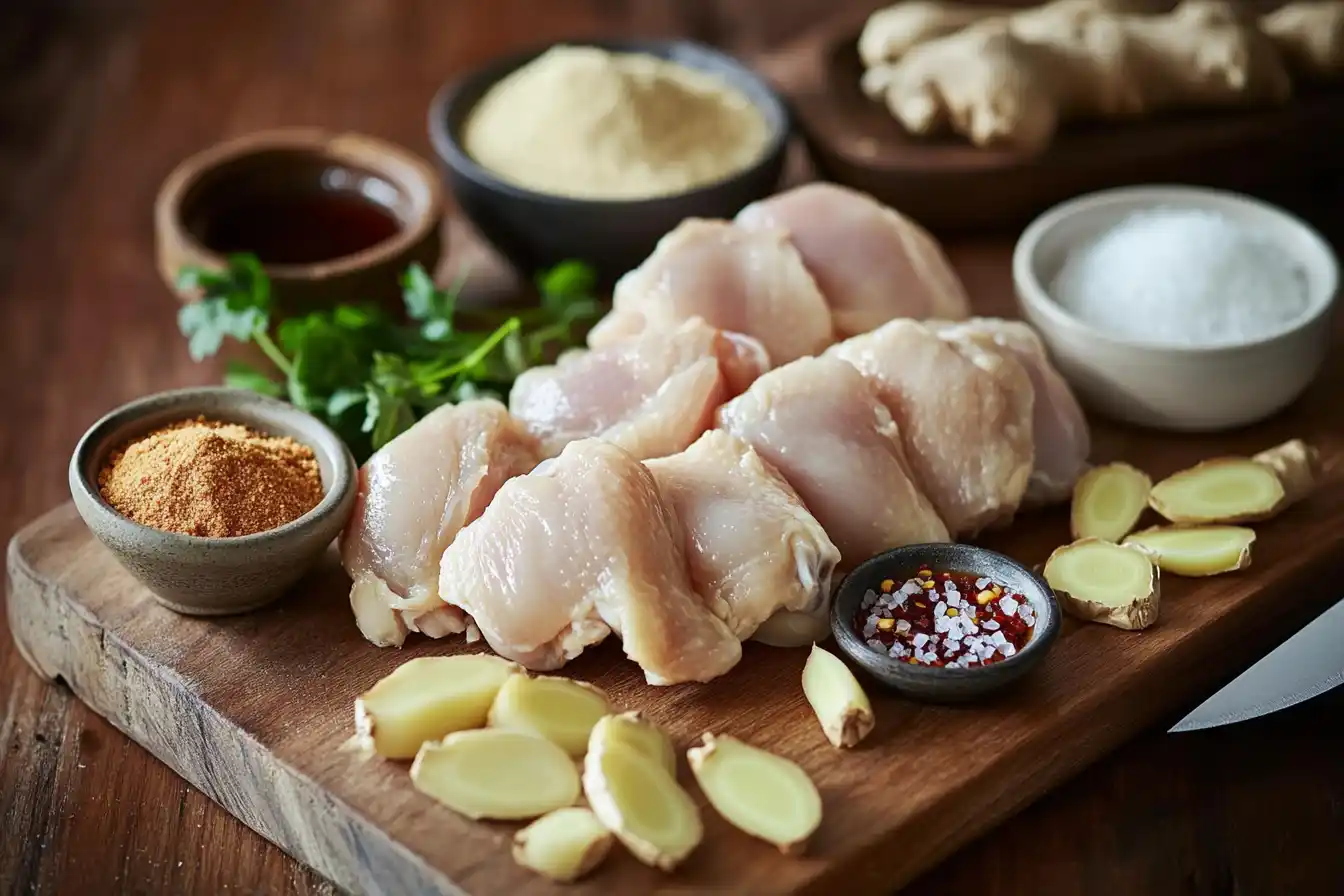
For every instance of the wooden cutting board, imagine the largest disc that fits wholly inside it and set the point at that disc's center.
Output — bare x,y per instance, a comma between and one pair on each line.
251,709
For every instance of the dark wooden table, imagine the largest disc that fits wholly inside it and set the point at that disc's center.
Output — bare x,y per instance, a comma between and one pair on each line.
98,100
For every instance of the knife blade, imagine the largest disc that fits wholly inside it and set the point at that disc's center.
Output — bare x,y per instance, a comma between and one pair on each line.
1309,663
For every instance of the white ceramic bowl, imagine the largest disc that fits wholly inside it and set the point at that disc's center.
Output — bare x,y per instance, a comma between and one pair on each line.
1181,388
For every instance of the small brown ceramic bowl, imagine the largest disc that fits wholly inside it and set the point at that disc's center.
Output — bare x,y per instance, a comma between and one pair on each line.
215,576
333,217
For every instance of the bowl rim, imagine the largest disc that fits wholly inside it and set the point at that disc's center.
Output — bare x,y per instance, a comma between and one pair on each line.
398,164
326,442
1033,295
1043,636
764,96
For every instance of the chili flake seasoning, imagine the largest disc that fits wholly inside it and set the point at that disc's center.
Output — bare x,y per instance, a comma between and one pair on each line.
950,619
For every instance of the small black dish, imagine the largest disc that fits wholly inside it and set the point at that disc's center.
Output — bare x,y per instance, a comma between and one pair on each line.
535,230
936,684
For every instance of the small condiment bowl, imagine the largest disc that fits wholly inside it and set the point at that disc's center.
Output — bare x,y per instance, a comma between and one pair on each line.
1180,388
937,684
535,230
271,166
214,576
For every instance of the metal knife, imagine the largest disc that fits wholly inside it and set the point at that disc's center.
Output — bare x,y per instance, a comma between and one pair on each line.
1309,663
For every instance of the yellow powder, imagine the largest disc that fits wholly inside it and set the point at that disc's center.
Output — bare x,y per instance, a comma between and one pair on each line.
585,123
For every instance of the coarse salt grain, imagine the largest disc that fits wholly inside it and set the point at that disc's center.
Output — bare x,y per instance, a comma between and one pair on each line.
991,625
1182,276
920,640
981,584
1008,606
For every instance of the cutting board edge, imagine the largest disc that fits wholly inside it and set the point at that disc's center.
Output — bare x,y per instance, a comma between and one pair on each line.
121,688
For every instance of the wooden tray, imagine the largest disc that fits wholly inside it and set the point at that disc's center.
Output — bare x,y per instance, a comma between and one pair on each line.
952,187
251,709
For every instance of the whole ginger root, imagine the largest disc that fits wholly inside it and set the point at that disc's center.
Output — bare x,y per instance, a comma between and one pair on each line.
1310,35
1012,80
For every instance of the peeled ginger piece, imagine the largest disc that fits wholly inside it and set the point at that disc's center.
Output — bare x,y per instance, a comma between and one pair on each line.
425,699
561,710
1223,490
1108,501
1196,550
493,773
630,730
635,798
758,792
1098,581
845,713
563,845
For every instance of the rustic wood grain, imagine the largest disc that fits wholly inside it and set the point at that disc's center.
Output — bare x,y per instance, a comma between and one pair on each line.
100,98
253,710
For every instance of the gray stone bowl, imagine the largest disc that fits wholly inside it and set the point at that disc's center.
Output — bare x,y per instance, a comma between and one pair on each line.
215,576
933,684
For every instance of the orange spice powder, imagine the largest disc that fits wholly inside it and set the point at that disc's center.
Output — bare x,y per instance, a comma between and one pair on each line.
207,478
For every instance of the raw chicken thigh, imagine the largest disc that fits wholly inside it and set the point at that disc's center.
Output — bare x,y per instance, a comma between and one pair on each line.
820,425
580,547
761,562
737,280
415,495
965,417
651,395
871,263
1060,432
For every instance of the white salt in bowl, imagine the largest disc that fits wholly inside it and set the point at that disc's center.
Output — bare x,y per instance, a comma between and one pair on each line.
1177,387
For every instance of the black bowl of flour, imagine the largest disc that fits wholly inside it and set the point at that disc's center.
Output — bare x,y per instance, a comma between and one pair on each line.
534,230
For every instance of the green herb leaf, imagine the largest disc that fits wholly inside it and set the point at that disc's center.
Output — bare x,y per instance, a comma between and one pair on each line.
239,375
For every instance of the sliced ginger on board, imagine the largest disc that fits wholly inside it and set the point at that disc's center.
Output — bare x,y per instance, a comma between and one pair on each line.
561,710
631,730
1196,550
563,845
835,695
637,799
1099,581
425,699
1108,501
758,792
1222,490
498,774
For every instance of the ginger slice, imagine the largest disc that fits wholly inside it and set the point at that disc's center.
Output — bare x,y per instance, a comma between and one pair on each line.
499,774
561,710
837,698
1222,490
425,699
635,798
633,731
758,792
1098,581
1108,501
1196,550
563,845
1298,466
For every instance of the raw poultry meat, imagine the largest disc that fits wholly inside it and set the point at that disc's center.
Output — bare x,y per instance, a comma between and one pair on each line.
580,547
1059,428
415,495
965,418
820,425
737,280
871,263
761,562
652,395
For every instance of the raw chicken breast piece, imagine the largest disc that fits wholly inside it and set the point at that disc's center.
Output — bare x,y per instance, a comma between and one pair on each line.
965,418
761,562
651,395
582,546
415,494
871,263
819,424
1059,428
737,280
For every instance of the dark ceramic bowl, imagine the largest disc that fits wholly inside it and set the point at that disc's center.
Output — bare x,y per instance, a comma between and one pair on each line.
941,685
535,230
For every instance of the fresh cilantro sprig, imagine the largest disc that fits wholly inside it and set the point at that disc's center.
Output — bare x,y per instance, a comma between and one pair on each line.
366,375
